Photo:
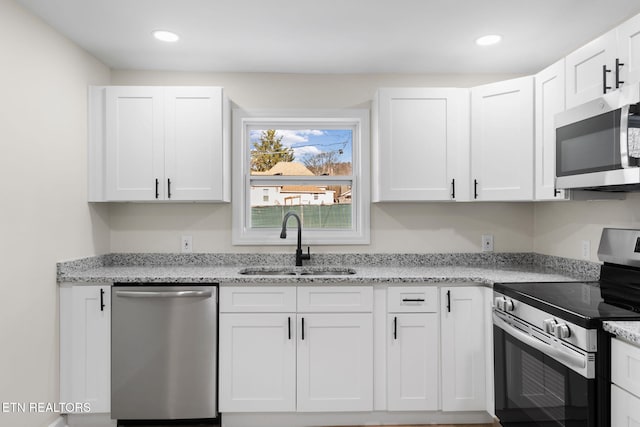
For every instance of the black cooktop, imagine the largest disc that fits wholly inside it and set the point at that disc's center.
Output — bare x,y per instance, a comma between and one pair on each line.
586,304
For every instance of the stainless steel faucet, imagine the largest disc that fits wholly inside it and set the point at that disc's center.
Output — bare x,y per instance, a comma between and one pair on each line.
283,235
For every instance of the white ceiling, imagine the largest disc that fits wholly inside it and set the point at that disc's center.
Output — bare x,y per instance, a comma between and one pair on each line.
333,36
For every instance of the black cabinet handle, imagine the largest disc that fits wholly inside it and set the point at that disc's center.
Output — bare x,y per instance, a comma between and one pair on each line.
475,188
395,328
412,299
618,81
157,193
449,301
168,188
289,326
604,79
302,329
453,188
556,192
102,299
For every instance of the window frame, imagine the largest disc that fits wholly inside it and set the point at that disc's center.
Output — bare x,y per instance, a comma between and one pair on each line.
245,120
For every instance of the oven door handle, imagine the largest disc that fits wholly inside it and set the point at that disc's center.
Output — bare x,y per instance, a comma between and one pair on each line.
572,359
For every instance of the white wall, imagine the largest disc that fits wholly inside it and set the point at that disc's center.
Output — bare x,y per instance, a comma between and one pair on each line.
560,227
405,227
44,217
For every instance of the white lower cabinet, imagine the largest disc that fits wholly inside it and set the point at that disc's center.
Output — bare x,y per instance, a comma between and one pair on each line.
85,346
412,368
625,408
463,349
335,362
313,360
257,362
625,387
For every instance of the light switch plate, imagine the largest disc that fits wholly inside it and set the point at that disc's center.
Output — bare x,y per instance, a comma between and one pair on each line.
585,249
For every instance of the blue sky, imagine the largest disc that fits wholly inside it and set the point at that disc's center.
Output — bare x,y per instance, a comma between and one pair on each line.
307,142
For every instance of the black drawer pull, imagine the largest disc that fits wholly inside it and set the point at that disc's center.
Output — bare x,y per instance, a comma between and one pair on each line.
412,299
102,299
448,301
303,329
289,326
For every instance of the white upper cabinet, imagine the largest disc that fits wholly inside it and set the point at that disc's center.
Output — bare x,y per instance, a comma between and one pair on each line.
421,144
158,144
550,95
586,71
604,64
502,140
629,50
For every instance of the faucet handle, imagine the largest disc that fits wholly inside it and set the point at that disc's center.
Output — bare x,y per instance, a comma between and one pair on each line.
308,254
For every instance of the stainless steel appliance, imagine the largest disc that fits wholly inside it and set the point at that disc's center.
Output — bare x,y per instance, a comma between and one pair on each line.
598,143
551,355
163,352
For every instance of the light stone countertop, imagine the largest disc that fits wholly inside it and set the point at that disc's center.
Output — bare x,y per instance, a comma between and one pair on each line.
627,330
378,268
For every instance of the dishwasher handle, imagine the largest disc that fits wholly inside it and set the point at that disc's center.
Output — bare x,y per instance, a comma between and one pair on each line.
164,294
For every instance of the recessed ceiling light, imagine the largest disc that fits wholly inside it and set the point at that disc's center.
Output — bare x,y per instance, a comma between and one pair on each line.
165,36
488,40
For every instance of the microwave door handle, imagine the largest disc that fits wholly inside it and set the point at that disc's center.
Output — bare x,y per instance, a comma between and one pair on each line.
576,361
624,137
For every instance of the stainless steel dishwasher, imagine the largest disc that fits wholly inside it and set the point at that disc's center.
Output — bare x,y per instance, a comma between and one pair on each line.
163,352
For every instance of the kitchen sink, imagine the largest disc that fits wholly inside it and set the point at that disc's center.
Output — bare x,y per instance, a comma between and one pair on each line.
308,271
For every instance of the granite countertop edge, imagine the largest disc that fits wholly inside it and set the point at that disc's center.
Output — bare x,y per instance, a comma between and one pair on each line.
626,330
480,268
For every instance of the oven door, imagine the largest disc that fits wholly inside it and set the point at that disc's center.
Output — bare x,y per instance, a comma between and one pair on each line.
532,389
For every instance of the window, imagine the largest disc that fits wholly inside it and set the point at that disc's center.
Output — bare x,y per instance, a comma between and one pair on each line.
314,163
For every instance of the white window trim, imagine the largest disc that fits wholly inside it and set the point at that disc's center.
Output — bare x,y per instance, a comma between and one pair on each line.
243,120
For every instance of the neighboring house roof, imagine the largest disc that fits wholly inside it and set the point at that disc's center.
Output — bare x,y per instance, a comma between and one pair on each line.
286,169
302,189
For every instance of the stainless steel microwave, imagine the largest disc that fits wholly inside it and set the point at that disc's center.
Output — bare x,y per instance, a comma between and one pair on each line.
598,143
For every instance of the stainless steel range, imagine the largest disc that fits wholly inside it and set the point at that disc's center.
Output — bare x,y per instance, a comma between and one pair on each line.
551,356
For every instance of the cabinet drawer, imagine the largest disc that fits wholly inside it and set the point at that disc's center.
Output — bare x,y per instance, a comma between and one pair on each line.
346,299
257,299
412,299
625,365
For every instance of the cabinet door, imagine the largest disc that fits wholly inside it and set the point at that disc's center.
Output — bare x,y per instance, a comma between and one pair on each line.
85,346
257,362
550,94
463,351
625,408
629,51
585,75
193,143
502,140
421,131
335,362
134,134
412,367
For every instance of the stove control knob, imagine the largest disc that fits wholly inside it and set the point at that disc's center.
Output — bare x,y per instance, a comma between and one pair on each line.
508,305
549,326
499,303
562,331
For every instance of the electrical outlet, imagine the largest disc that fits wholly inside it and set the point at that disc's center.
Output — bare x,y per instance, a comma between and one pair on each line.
187,245
487,243
586,249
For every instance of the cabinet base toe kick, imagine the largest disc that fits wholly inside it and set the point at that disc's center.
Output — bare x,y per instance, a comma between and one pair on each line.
352,418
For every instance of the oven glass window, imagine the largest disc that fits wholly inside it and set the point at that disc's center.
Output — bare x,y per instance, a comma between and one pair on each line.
533,389
590,145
